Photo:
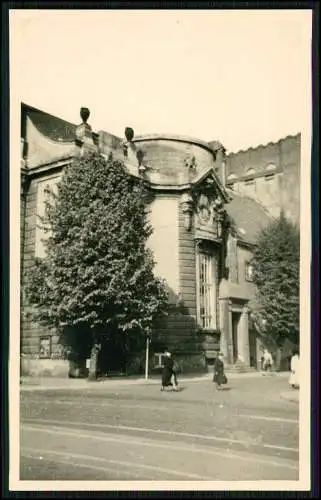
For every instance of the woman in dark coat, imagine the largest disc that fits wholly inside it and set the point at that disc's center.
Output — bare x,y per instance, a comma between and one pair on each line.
219,375
168,371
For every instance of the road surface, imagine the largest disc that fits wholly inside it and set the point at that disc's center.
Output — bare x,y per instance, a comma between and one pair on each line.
137,432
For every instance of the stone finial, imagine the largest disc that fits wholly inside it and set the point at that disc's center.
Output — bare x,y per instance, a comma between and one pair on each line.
86,139
84,129
129,134
84,114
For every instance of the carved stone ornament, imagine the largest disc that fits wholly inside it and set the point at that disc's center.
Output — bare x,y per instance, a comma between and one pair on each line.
24,183
204,209
125,149
187,209
140,156
218,219
190,162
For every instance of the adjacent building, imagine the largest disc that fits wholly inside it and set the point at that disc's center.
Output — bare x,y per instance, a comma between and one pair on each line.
205,220
269,174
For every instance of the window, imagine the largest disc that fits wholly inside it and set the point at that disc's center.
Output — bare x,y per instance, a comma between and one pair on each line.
248,271
158,359
249,182
43,192
206,291
269,177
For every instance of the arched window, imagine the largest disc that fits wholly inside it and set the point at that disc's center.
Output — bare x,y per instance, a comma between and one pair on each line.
270,167
249,181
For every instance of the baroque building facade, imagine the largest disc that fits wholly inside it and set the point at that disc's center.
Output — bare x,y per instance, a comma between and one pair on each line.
204,222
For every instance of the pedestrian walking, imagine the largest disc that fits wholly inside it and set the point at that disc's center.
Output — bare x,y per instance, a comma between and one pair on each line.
295,365
267,360
168,374
174,374
219,374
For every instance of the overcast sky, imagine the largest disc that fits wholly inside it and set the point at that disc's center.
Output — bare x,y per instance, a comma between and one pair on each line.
240,77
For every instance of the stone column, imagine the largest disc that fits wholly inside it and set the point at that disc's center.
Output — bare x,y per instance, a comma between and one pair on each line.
243,337
225,327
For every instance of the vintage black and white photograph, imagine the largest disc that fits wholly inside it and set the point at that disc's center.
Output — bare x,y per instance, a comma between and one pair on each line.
160,167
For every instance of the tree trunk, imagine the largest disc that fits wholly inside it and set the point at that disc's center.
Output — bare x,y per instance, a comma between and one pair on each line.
92,375
278,359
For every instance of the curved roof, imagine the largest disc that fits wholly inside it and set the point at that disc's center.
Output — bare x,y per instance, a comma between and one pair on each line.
50,126
248,215
173,137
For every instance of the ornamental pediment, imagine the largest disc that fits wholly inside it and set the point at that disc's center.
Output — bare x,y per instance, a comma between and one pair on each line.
209,214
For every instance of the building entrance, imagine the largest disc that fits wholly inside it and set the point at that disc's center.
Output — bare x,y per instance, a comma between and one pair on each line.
253,349
236,316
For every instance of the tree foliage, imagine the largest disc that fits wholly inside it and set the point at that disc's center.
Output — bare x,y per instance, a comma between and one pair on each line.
276,273
98,272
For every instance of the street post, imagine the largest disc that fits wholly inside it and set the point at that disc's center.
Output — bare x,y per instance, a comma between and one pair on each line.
147,356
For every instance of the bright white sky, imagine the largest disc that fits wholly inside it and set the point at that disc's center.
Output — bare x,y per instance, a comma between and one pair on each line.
240,77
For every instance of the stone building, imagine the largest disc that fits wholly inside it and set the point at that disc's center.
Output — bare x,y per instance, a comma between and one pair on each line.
204,231
269,174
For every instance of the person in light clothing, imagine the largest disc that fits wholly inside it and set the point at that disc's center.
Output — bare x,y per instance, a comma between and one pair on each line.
267,360
295,365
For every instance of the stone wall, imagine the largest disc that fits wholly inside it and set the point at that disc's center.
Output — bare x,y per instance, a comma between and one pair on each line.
30,330
35,367
163,216
170,161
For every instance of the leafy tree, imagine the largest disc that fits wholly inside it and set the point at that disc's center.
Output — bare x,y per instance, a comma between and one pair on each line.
97,276
276,273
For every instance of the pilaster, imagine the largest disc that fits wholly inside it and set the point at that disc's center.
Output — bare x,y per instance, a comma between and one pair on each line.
243,337
225,326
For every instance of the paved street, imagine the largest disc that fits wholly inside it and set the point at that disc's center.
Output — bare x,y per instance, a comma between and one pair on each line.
136,432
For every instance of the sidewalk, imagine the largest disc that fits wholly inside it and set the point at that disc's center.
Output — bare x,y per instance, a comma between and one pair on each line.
292,395
54,383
